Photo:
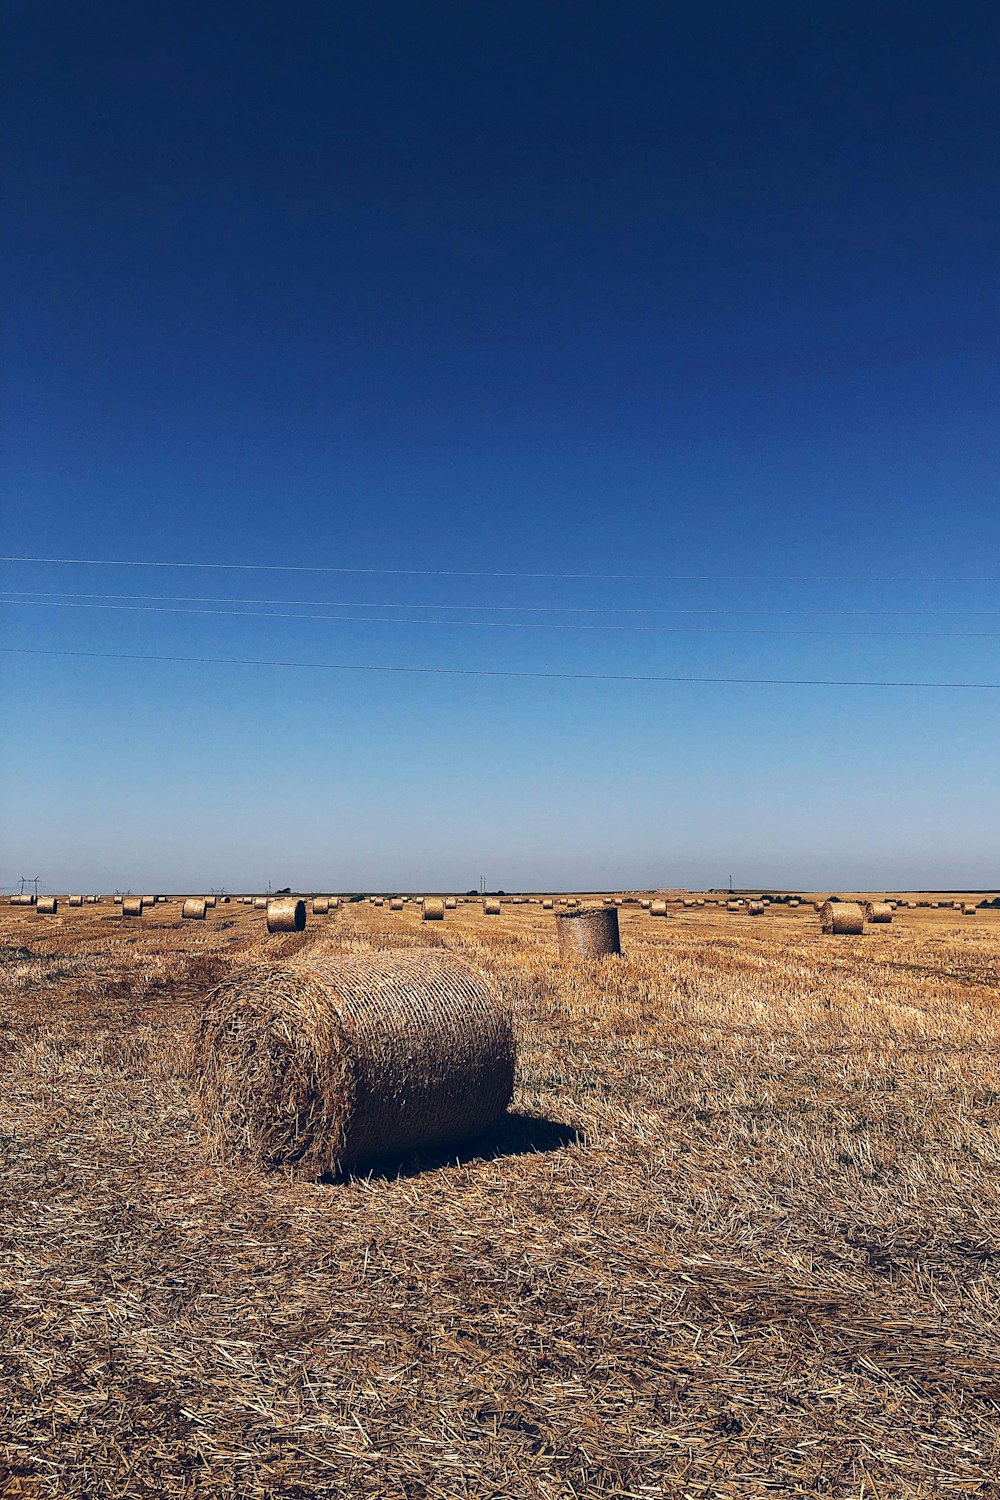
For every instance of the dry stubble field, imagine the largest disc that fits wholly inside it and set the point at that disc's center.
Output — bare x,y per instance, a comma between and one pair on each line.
739,1237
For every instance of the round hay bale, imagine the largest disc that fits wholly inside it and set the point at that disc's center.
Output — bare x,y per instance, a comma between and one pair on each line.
733,905
588,934
334,903
324,1063
755,908
842,917
321,906
658,909
210,900
118,900
969,909
547,904
433,910
48,906
78,900
396,904
132,906
878,911
286,914
687,903
645,905
794,905
194,909
450,904
491,908
260,903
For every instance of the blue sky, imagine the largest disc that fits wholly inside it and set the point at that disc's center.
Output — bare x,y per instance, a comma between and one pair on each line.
701,305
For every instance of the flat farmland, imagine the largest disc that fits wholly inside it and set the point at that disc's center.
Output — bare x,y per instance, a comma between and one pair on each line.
738,1236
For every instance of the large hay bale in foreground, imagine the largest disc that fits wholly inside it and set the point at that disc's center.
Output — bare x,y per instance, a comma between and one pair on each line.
78,900
396,904
845,918
131,906
491,908
194,909
658,909
286,914
48,906
878,911
755,908
588,934
328,1062
433,910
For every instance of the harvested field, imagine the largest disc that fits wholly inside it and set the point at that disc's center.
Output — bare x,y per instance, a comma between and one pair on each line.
737,1237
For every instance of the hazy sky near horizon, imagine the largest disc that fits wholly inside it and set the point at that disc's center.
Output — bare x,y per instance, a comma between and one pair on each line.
605,342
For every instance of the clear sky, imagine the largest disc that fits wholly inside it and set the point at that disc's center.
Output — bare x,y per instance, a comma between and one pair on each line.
705,296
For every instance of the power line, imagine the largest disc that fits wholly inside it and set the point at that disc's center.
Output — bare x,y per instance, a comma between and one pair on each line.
528,609
119,562
336,666
253,614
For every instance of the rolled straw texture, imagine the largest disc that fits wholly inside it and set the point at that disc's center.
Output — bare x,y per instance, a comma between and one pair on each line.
878,911
321,906
131,906
286,914
330,1062
547,904
755,908
450,904
733,905
657,908
396,904
118,900
588,934
843,917
194,909
260,903
78,900
47,905
433,911
491,908
968,910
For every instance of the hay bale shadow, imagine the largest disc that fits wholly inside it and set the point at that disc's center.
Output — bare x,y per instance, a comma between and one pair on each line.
514,1135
